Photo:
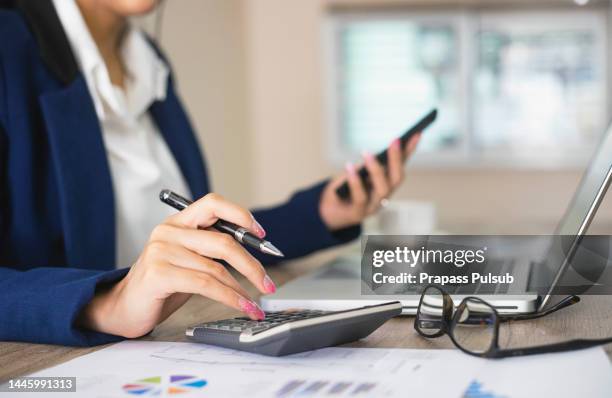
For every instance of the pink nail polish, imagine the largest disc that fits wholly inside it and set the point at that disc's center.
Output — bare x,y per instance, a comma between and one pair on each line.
246,305
368,157
258,229
269,285
350,169
258,313
396,143
251,308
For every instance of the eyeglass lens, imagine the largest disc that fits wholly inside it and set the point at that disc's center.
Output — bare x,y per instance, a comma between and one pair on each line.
430,312
473,326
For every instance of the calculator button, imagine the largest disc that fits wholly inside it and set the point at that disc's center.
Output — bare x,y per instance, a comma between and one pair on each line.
273,319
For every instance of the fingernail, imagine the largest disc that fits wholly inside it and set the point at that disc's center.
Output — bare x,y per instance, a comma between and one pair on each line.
258,229
368,157
350,169
251,308
396,143
269,285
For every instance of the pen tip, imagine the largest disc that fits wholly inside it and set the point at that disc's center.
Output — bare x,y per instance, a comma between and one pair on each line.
164,194
269,248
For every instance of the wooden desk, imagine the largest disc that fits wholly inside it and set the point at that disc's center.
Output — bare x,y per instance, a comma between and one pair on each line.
592,317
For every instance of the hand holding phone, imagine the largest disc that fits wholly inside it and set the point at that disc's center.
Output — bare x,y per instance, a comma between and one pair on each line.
343,190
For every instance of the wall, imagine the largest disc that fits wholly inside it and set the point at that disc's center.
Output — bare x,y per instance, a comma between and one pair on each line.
287,116
251,73
204,40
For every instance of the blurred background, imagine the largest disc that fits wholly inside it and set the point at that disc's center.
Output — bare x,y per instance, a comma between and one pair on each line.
283,93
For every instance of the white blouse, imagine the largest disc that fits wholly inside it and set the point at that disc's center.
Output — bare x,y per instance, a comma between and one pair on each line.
140,161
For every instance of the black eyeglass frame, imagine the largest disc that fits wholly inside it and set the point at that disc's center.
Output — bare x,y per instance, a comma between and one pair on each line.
449,321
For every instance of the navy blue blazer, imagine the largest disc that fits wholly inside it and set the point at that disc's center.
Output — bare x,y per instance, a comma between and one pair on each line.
57,222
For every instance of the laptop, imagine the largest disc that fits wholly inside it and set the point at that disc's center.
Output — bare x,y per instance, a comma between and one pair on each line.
338,284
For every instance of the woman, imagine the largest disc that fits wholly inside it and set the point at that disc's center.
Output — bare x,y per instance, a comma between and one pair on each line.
90,130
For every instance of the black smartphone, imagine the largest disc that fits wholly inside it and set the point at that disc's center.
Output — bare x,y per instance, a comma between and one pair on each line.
343,190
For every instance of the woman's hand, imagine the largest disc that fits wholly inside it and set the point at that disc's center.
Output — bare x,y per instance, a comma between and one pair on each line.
176,263
338,214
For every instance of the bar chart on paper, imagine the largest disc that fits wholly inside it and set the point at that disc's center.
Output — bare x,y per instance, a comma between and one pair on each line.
304,388
476,389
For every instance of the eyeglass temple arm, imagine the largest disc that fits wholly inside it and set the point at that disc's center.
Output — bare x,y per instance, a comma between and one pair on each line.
566,302
578,344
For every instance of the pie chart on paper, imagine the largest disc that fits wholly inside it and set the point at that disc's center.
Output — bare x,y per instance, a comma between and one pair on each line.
168,385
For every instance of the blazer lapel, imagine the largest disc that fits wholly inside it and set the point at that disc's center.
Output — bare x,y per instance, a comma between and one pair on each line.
83,176
176,130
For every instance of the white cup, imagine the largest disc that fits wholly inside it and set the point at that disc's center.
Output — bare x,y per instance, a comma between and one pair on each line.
407,217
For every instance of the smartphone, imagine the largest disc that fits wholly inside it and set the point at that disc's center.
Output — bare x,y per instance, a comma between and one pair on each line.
343,190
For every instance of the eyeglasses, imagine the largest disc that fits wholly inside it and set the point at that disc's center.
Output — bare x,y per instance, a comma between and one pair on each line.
474,326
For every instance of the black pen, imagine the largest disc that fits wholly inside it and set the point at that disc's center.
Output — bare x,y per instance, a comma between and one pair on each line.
242,235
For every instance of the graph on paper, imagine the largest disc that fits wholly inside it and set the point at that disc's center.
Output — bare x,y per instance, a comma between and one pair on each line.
476,389
170,385
306,388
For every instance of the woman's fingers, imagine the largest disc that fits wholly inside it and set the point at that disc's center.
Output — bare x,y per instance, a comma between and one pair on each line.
207,210
359,196
412,144
219,246
396,163
383,183
182,257
380,185
184,280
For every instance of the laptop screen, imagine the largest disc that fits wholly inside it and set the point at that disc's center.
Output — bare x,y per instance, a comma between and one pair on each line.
594,180
578,216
